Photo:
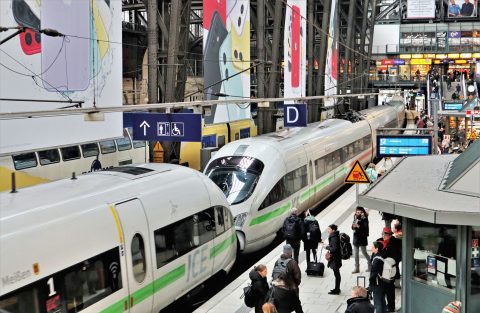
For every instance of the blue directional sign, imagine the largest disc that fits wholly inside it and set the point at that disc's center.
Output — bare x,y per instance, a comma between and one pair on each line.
166,127
403,145
295,115
452,106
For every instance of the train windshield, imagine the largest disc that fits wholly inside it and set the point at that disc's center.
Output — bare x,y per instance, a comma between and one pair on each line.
237,176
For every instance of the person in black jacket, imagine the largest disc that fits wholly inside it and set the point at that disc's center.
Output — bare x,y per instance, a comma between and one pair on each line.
260,287
311,236
292,232
376,285
392,248
335,261
359,302
286,300
287,266
360,234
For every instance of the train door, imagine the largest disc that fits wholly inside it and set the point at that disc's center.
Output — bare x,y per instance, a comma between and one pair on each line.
307,196
137,253
224,247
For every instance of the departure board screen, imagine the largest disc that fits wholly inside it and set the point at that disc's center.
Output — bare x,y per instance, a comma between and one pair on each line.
452,106
403,145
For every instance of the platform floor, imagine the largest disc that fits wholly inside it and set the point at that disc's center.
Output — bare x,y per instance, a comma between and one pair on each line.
313,290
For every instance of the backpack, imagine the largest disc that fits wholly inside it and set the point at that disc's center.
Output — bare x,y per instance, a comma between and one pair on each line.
249,296
280,267
313,231
345,246
290,228
389,269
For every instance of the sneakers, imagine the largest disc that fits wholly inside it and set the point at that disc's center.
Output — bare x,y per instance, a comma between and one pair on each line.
334,292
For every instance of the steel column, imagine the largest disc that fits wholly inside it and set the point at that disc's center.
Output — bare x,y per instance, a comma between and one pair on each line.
322,52
152,51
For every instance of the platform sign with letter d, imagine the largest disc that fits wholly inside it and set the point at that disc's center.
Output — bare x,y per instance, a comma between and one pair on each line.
295,115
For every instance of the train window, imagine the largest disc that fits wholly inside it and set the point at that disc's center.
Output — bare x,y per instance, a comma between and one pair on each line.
25,160
209,141
329,162
164,245
139,264
204,227
296,180
107,146
70,290
319,167
220,220
124,143
337,158
359,146
70,153
351,151
221,141
228,218
278,193
367,141
183,236
90,149
49,156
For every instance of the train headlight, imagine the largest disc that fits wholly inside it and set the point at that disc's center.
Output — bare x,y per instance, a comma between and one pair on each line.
239,219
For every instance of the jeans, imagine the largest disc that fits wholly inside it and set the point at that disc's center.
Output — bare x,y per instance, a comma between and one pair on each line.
307,252
390,292
338,278
357,256
296,249
379,299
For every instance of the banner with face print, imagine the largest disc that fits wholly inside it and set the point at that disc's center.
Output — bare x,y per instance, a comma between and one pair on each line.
226,57
295,48
331,67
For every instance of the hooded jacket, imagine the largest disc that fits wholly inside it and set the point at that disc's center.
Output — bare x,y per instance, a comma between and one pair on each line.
285,299
293,273
310,243
260,288
335,250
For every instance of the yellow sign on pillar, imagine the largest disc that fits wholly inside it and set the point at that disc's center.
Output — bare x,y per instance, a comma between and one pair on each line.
357,175
158,153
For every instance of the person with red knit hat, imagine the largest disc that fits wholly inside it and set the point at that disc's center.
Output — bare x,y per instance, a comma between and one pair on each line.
392,248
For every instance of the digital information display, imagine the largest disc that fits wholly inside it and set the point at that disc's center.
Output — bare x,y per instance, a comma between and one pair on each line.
451,106
403,145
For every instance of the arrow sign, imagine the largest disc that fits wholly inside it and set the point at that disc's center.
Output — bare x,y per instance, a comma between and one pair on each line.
166,127
144,125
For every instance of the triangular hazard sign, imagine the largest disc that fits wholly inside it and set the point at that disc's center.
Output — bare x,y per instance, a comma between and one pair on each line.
357,175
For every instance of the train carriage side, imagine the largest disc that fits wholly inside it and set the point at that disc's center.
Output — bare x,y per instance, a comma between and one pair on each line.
116,241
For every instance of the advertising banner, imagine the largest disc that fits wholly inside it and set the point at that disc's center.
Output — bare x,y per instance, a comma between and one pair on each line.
420,9
295,49
226,57
85,64
331,67
462,8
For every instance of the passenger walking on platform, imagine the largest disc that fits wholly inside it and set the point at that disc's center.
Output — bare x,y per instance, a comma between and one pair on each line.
359,302
285,298
334,256
360,234
292,232
376,285
371,172
311,236
258,276
288,266
392,248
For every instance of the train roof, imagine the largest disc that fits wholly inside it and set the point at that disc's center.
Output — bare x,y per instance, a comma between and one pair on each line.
97,188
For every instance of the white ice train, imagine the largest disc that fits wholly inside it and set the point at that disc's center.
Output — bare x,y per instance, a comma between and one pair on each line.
265,176
130,239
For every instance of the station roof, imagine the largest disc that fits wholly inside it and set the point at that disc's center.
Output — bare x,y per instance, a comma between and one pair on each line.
440,189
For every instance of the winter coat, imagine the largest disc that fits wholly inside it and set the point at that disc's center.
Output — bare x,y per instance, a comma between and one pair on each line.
393,249
294,274
285,299
360,233
376,271
335,250
359,305
260,289
309,244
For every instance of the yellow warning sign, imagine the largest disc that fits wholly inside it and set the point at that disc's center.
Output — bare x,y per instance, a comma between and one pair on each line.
357,175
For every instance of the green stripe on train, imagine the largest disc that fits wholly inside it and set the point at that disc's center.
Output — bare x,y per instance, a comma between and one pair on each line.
277,212
217,249
148,290
304,196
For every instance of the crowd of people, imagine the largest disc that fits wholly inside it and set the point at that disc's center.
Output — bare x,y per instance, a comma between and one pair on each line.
281,295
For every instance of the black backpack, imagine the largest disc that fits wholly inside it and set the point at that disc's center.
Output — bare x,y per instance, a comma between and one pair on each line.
345,246
249,296
313,232
290,228
280,267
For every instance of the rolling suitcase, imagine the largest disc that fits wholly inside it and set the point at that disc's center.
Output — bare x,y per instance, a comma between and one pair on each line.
316,268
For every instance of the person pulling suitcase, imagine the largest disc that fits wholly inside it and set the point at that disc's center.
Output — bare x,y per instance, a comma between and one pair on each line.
311,236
